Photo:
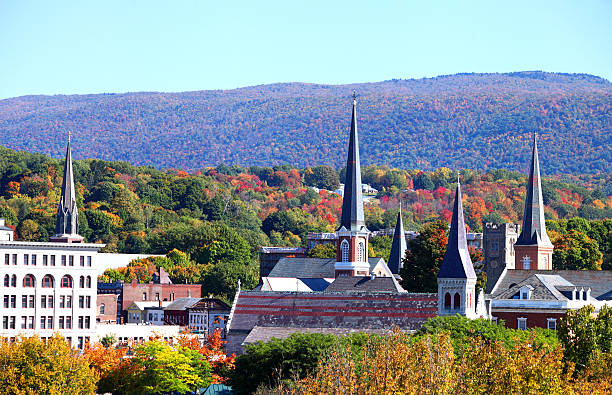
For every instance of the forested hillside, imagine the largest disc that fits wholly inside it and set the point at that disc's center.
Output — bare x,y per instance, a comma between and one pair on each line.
481,121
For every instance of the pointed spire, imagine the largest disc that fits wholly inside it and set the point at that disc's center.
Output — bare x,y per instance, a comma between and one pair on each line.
67,212
534,226
398,248
352,202
457,262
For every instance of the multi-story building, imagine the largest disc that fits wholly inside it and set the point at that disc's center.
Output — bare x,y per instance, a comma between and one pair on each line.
50,287
498,240
208,315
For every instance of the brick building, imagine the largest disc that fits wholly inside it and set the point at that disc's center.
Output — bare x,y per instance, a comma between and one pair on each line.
108,308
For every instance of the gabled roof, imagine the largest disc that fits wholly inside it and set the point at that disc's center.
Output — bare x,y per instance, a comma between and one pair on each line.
543,287
457,262
365,284
533,231
182,303
207,303
352,201
600,281
142,305
398,248
311,267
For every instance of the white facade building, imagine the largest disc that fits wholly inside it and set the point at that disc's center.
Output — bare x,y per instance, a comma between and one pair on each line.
48,288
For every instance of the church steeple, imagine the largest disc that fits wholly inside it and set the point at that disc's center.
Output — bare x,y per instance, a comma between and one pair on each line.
533,249
456,278
534,226
352,244
457,262
352,202
398,247
67,222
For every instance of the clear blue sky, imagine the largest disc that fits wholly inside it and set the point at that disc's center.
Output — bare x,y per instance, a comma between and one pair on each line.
51,47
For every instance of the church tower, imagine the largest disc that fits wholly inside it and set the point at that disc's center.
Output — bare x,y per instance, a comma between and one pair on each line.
67,222
456,278
352,243
533,249
398,247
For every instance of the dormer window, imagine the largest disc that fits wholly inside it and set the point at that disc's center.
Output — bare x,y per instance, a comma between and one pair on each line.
525,292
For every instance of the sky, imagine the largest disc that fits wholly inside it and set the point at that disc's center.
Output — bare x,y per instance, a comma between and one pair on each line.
79,47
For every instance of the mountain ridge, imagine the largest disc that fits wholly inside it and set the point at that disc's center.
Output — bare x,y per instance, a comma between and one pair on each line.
476,120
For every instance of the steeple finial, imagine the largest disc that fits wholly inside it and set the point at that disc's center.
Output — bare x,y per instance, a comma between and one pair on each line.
69,135
457,262
352,201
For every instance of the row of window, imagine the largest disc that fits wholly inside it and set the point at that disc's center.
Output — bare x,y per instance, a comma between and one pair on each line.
46,322
81,340
46,301
31,259
29,281
344,248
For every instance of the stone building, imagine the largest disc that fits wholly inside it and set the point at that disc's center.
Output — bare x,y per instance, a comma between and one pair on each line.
498,240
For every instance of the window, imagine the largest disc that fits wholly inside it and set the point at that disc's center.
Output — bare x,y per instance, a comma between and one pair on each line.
29,281
157,296
61,323
47,281
82,282
43,322
66,282
43,302
45,260
7,280
14,259
71,260
81,302
62,302
52,260
31,322
447,301
5,322
50,322
88,282
81,322
522,324
14,280
7,259
24,322
82,260
144,296
50,301
457,301
344,247
68,302
12,322
63,260
6,301
68,322
88,302
33,260
360,251
13,301
80,342
526,263
551,323
102,308
31,301
24,302
25,259
88,261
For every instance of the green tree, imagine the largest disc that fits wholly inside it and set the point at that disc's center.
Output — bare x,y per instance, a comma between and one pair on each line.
422,181
574,250
381,246
323,251
324,177
424,257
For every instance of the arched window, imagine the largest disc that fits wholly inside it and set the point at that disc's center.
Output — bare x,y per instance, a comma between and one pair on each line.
360,251
88,282
457,301
47,281
526,263
29,281
102,308
7,280
66,282
344,247
447,301
82,282
14,280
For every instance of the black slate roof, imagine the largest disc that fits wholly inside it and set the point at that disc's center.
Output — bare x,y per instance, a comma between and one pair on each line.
365,284
600,281
182,303
533,231
457,262
352,202
310,267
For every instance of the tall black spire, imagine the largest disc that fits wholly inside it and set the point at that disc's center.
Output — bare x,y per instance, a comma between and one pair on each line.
398,248
534,227
67,213
457,262
352,202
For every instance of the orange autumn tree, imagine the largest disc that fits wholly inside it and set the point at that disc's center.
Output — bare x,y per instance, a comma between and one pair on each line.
109,364
212,349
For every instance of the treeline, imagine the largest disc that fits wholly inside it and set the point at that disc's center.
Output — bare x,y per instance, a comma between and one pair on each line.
481,121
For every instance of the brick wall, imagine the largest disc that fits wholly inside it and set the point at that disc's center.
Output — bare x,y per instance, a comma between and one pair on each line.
534,320
110,308
167,292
